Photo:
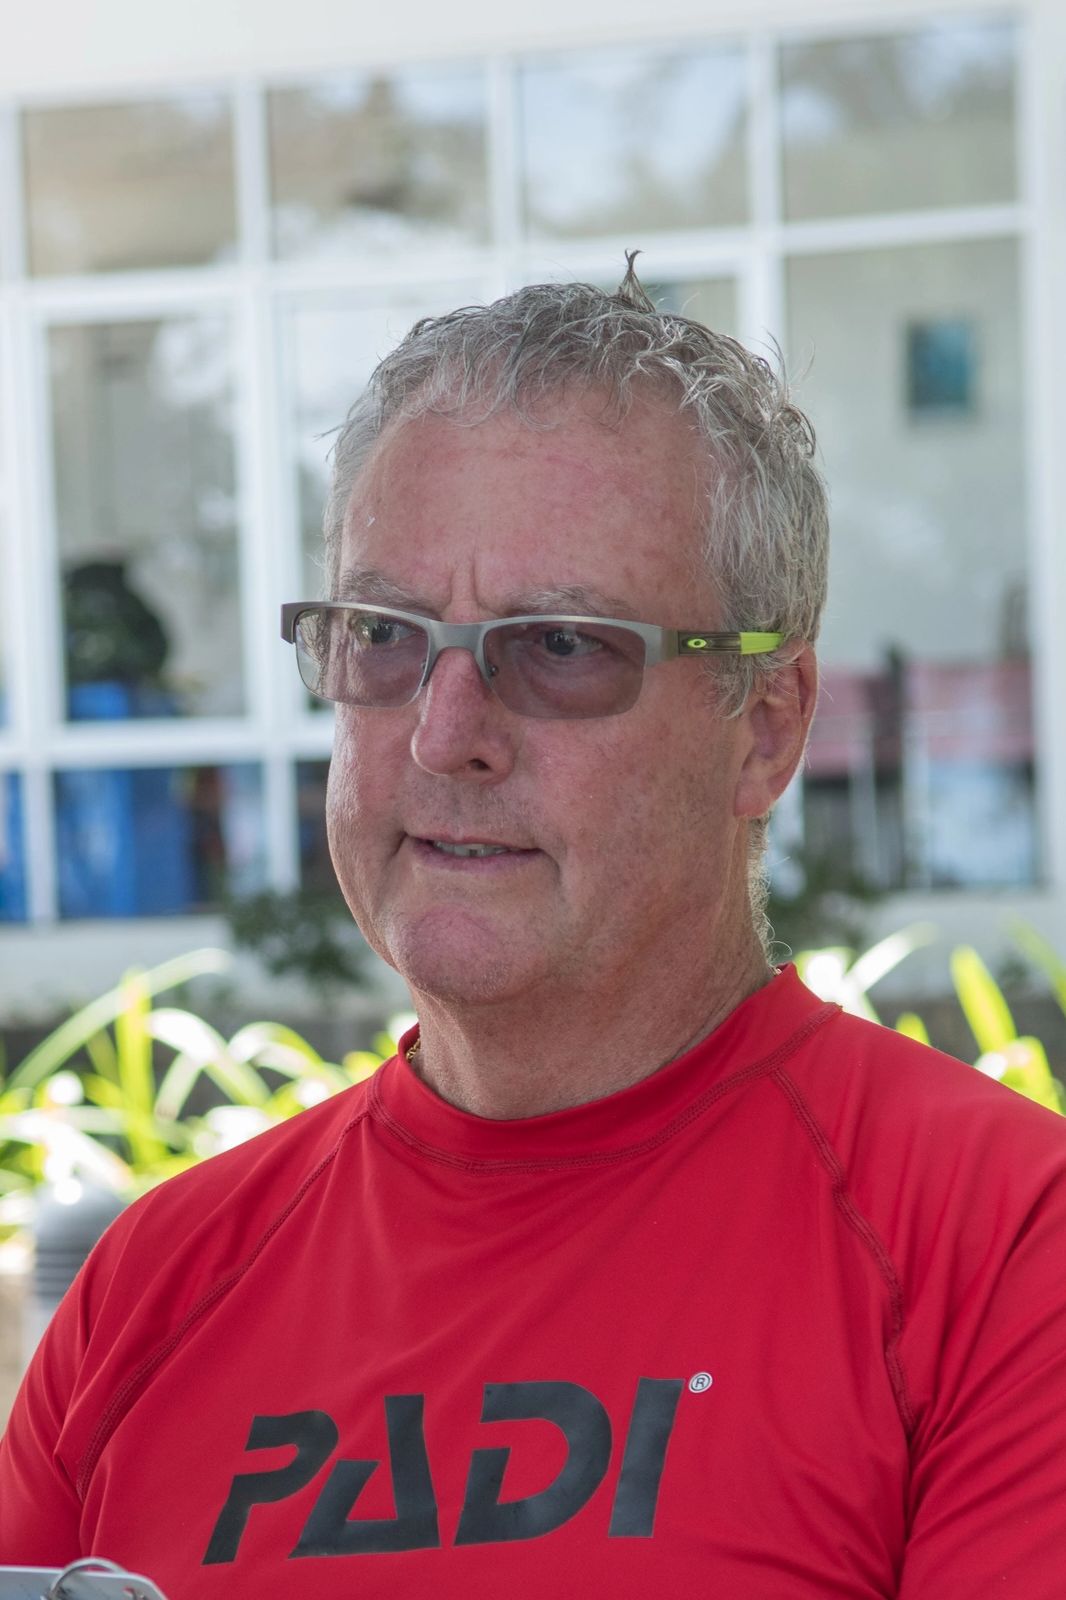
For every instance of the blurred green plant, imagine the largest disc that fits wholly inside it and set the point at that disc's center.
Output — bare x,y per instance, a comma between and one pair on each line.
307,934
838,973
1018,1060
816,898
106,1095
109,1095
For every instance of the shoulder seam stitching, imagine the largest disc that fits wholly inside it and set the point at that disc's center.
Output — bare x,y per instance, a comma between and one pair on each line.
866,1233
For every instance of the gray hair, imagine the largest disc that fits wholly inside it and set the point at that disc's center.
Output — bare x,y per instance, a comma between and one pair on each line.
765,537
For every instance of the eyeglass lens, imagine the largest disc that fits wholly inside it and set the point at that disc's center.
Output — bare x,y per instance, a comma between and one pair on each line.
546,668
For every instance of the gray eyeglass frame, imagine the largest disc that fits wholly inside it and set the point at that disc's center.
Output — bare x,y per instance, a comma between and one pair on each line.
660,644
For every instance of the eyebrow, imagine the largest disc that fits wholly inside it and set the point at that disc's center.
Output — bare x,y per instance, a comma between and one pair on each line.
574,599
367,583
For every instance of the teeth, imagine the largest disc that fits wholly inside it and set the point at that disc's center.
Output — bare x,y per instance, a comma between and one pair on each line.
470,849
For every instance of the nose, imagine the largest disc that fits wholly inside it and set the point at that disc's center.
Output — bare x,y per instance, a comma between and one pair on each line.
462,728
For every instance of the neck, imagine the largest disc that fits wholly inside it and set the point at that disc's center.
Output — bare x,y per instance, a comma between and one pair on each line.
537,1053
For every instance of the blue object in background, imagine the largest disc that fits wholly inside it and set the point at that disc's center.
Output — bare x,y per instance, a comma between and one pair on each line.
111,701
942,367
12,850
123,842
123,837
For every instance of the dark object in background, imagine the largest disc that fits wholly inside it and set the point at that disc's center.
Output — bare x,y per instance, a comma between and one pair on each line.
68,1220
941,368
111,633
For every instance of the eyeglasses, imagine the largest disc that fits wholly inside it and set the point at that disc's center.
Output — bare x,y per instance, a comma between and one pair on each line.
539,666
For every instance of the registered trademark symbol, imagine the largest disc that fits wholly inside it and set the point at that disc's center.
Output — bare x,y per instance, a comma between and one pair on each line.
700,1382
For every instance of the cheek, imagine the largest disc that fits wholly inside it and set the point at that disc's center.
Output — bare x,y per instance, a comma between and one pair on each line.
612,811
341,782
358,790
679,810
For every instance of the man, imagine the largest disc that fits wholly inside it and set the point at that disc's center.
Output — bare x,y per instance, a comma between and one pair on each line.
640,1272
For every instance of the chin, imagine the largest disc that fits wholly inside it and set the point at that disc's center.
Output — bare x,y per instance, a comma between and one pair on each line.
458,959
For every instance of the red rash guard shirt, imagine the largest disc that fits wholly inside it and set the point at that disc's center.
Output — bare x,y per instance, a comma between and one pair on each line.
786,1319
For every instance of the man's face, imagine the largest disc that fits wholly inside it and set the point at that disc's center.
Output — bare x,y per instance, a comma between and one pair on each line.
628,859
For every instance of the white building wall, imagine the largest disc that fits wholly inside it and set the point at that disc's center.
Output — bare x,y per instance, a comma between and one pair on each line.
62,46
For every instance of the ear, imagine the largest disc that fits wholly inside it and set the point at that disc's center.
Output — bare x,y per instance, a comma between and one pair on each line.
777,717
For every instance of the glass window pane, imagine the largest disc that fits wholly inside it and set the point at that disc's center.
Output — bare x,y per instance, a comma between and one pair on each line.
12,850
712,301
925,733
148,841
146,510
380,161
139,185
627,140
898,123
316,868
6,586
5,589
329,353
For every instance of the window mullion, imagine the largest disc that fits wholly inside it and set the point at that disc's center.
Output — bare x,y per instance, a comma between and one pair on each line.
505,206
268,534
763,303
1042,182
251,166
265,562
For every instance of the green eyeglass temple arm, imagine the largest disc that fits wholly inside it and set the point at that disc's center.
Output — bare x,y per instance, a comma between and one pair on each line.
745,644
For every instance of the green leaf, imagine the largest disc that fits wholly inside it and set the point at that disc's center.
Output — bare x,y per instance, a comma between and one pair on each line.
286,1102
1044,956
248,1041
95,1120
834,960
73,1034
911,1026
175,1087
982,1001
282,1049
1029,1072
196,1039
877,962
67,1147
360,1064
103,1092
100,1048
134,1046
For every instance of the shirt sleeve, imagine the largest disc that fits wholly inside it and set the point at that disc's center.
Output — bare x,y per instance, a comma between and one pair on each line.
40,1512
987,1495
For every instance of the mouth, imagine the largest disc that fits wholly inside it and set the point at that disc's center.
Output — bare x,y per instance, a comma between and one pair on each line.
468,850
470,854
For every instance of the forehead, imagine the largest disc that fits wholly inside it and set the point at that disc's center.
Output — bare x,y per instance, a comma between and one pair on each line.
457,510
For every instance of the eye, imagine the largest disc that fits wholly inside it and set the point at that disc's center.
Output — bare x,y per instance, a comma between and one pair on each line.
377,630
565,644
